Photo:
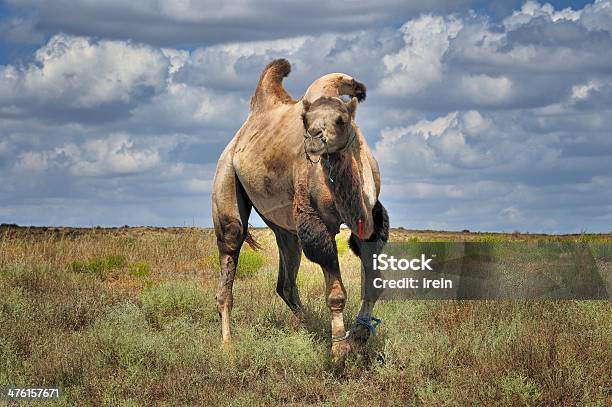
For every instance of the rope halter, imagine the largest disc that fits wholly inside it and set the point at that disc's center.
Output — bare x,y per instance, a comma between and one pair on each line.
324,138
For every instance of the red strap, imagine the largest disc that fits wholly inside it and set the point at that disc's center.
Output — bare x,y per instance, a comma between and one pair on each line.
360,229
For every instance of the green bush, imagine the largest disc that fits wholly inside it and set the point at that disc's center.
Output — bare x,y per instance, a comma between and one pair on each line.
175,300
249,263
342,245
140,269
491,239
98,266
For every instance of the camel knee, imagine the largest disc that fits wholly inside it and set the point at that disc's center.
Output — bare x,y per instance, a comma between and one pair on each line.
318,244
336,300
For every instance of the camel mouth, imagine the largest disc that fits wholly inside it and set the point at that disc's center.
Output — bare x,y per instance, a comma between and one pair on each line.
315,147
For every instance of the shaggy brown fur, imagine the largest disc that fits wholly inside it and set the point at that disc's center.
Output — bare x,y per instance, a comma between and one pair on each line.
347,189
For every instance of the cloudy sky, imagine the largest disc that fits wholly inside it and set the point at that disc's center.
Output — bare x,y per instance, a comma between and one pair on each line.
492,116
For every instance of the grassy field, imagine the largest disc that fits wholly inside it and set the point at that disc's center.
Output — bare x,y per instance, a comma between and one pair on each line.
127,317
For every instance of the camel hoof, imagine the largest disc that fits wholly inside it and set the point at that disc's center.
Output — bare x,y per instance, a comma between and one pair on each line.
360,335
227,344
301,316
339,351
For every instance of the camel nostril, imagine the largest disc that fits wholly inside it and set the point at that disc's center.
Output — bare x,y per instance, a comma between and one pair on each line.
316,134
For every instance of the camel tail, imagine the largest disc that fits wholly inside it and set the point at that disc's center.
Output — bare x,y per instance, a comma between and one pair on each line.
270,91
250,240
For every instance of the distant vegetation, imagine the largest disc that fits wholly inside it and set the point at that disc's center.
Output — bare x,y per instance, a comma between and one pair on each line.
98,266
127,317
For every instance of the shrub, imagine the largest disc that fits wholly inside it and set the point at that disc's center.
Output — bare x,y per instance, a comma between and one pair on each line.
174,300
249,263
342,245
140,269
98,266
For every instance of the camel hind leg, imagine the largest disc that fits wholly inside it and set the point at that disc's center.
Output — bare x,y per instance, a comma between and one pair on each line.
290,256
231,209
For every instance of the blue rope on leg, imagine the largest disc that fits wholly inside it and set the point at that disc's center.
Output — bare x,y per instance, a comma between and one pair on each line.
366,320
369,322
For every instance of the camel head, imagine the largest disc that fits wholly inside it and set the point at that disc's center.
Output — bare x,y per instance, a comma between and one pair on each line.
328,125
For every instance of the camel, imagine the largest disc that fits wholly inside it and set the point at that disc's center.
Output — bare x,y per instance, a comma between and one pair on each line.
305,167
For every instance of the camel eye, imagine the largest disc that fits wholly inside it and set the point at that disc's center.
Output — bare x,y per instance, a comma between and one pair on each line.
340,121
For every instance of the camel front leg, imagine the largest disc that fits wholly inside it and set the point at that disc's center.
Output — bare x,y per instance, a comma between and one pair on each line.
319,246
365,323
335,295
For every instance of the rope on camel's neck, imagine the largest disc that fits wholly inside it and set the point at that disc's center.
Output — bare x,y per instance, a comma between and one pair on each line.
325,156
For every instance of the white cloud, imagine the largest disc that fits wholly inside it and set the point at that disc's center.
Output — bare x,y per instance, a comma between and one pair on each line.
34,161
4,147
533,9
485,89
81,73
200,185
438,146
115,154
419,62
582,91
598,16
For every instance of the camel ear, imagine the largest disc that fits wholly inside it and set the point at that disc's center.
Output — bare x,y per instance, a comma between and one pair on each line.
351,105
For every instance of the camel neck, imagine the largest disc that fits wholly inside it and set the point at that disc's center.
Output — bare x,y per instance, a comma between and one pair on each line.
346,187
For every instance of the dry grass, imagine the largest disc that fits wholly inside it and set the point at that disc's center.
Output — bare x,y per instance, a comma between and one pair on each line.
127,317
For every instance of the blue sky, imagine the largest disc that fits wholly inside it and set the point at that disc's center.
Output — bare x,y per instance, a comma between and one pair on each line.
492,116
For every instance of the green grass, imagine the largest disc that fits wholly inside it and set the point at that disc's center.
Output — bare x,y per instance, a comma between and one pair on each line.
167,302
117,341
249,262
98,266
141,269
342,245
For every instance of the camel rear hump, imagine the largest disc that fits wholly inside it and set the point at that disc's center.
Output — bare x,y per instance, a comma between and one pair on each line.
270,92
